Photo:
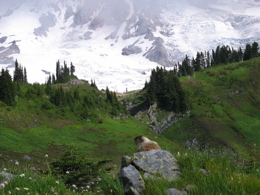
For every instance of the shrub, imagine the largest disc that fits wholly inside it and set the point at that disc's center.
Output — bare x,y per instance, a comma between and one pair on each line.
78,171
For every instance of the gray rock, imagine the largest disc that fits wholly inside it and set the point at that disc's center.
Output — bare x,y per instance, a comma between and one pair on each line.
173,191
26,157
189,188
132,181
131,50
158,53
126,160
8,177
157,162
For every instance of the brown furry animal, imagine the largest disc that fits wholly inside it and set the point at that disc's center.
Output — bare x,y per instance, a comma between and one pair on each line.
145,144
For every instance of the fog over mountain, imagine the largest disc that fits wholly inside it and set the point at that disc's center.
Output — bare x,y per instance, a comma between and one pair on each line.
118,42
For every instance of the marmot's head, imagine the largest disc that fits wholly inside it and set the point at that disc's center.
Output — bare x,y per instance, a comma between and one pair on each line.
140,139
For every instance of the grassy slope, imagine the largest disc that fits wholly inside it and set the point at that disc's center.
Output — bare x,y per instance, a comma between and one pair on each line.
27,129
226,107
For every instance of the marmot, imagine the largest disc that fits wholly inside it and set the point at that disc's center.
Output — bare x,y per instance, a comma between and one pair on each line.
145,144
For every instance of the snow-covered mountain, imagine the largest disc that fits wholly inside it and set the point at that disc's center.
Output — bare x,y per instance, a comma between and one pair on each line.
118,42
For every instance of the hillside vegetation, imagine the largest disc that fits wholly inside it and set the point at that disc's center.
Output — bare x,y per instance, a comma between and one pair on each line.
222,126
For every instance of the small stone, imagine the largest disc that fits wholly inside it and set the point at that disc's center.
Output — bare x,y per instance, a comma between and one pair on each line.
173,191
26,157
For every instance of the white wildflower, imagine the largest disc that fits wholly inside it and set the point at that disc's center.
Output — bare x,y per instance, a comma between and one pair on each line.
17,188
87,187
9,192
30,178
57,182
16,162
67,172
22,175
2,185
74,186
26,189
4,169
46,155
52,189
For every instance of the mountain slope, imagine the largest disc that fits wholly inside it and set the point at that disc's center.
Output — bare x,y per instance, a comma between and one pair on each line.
94,35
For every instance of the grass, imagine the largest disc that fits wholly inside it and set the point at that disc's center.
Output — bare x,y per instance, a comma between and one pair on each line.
225,108
223,173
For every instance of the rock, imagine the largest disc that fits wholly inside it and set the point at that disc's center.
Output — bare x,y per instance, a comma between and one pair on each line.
8,177
131,50
157,162
158,53
204,171
132,181
189,188
126,160
26,157
173,191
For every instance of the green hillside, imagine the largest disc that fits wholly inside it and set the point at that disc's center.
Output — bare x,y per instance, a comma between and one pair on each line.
225,108
223,123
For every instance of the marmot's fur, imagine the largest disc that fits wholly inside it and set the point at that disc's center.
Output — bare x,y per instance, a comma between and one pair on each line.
145,144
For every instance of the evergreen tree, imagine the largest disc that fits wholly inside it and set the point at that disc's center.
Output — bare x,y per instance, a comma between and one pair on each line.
248,52
18,73
7,94
255,49
72,69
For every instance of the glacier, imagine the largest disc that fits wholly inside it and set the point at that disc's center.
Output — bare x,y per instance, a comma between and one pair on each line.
93,34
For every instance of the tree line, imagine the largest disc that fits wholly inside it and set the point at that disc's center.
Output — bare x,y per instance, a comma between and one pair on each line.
221,55
53,95
165,88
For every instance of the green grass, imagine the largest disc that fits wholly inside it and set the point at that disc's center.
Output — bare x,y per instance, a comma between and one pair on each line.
225,108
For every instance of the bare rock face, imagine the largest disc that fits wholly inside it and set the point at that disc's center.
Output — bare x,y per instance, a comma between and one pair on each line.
131,50
158,53
152,164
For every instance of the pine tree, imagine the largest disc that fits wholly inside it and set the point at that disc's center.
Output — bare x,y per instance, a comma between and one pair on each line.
255,49
7,94
248,52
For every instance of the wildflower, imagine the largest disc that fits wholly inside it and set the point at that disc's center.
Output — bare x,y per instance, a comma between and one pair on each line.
57,182
17,188
87,187
179,154
26,189
30,178
74,186
16,162
4,169
67,172
9,192
52,189
22,175
2,185
46,155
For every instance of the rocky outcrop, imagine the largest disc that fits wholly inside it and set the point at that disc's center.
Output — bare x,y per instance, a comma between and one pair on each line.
159,126
5,52
144,165
131,50
158,53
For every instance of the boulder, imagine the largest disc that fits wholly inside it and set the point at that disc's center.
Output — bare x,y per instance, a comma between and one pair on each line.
153,164
157,162
132,181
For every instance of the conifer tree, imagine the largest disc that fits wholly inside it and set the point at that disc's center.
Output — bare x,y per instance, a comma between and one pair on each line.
7,94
